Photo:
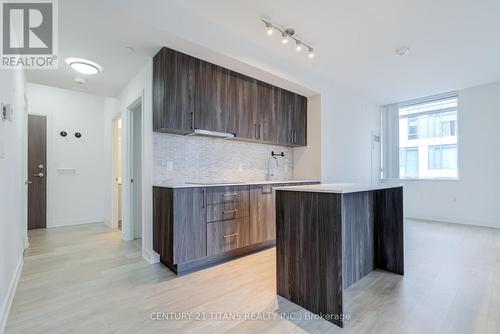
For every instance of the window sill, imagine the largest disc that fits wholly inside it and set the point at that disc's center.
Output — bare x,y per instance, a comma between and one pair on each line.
431,179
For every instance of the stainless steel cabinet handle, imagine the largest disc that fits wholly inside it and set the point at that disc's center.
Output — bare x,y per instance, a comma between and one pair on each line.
231,235
230,211
38,175
255,130
260,132
230,194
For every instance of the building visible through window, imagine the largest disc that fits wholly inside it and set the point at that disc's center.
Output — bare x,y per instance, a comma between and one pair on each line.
428,139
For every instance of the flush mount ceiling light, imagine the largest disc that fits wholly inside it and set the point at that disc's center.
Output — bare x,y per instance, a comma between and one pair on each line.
84,66
287,35
402,51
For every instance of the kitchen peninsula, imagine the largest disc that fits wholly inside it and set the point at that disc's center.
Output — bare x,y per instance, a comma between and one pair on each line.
331,235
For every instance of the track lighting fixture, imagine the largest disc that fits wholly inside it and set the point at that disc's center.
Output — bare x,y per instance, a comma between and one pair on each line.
287,35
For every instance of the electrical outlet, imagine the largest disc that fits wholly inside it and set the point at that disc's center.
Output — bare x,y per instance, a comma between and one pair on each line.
170,166
240,167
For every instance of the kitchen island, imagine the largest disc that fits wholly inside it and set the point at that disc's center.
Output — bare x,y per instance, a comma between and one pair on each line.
328,236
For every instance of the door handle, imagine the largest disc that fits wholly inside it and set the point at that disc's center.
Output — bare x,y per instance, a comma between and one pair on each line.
28,182
39,175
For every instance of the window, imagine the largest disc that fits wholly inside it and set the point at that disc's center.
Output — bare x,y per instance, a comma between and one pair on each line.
412,128
408,162
443,157
428,138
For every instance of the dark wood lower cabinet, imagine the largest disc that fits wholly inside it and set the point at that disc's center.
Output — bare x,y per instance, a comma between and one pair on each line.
227,235
262,225
179,224
198,227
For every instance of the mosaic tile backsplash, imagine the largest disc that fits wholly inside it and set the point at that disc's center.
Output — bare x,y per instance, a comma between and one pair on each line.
204,159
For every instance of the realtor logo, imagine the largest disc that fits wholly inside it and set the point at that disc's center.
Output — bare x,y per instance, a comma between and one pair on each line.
29,34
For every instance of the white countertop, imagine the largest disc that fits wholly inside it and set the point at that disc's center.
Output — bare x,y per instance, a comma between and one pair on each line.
248,183
340,188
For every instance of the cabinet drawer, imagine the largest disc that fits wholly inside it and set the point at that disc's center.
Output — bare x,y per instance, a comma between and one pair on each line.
227,211
230,194
227,235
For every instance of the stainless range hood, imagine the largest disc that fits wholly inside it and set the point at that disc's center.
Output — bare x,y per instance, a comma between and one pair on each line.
215,134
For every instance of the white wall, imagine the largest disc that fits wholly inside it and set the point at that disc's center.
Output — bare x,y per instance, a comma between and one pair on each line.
72,198
307,160
12,189
473,199
347,122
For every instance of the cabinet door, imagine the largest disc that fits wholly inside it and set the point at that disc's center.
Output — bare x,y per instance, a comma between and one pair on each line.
227,235
249,108
173,91
267,116
284,111
299,121
217,97
262,214
190,227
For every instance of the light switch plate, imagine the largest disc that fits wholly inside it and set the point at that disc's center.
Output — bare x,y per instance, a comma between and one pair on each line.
170,166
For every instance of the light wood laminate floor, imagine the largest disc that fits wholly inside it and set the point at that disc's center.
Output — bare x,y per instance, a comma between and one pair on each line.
85,279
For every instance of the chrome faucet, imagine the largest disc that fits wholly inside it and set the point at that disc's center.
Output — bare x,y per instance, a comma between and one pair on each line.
270,170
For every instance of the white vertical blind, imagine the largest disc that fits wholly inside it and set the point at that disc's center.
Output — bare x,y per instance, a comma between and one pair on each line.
390,141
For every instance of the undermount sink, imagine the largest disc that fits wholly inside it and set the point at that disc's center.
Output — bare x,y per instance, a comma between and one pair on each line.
208,183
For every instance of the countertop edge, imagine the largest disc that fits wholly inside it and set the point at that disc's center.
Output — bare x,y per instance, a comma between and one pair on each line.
250,183
337,189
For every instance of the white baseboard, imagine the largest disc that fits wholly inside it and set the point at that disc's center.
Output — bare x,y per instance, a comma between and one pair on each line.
62,223
151,256
454,221
107,223
26,242
5,307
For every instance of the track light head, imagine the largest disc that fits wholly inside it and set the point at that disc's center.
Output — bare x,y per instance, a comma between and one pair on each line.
284,38
311,53
298,46
269,28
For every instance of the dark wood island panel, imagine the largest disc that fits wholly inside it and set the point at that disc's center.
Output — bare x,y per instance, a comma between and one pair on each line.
326,241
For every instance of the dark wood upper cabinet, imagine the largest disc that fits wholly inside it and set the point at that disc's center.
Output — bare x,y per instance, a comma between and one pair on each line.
299,121
267,122
189,93
216,98
249,108
173,91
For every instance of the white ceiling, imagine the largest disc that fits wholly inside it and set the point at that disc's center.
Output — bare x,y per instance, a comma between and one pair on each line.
454,43
88,30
